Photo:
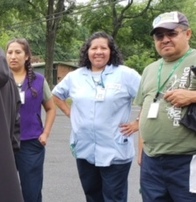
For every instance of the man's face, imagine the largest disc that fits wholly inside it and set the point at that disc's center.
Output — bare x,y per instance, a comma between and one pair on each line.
172,44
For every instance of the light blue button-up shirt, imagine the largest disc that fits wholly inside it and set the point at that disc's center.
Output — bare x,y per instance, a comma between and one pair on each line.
96,134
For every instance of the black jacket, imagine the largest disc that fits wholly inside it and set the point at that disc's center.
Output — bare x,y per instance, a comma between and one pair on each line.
10,190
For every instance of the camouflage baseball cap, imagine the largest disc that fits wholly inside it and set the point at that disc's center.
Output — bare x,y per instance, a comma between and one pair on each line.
169,20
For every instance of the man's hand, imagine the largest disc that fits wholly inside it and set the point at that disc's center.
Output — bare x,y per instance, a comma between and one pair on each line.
180,97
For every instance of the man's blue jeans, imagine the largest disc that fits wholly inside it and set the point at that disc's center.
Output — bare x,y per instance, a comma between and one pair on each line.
29,162
166,178
104,184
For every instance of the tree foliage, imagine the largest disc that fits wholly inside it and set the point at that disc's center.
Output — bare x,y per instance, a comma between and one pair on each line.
56,29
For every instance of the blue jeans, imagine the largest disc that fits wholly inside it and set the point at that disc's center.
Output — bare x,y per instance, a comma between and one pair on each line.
29,162
104,184
166,178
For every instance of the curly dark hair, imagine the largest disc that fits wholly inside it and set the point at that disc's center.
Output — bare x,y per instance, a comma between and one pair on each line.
115,55
28,67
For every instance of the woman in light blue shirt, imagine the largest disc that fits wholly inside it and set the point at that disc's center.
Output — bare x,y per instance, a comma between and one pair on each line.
102,91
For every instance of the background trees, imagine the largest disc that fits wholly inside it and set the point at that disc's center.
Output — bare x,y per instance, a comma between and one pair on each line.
56,29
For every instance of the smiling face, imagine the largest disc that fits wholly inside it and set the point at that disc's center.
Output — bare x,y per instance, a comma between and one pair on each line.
99,54
172,44
16,56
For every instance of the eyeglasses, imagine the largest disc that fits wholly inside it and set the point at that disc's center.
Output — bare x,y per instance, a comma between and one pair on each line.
169,34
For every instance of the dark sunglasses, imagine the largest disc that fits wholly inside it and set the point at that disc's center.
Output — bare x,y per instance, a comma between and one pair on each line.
169,34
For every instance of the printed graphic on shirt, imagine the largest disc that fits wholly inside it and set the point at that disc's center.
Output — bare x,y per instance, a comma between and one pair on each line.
176,82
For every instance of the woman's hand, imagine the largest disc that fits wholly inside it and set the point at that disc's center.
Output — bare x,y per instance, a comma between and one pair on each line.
130,128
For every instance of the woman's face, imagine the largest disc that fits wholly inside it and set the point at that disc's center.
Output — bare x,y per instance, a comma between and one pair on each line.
16,56
99,54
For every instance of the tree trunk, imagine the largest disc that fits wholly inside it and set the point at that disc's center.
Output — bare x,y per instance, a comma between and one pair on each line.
49,56
53,18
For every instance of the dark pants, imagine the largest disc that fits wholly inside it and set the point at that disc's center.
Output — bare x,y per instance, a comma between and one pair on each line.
104,184
29,162
166,178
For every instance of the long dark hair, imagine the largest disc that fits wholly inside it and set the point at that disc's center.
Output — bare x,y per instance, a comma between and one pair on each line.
115,55
28,67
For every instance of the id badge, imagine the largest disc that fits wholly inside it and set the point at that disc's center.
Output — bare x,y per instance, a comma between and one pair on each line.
153,111
100,96
22,97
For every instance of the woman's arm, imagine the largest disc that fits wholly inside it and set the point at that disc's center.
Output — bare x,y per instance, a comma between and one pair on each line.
50,110
63,105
